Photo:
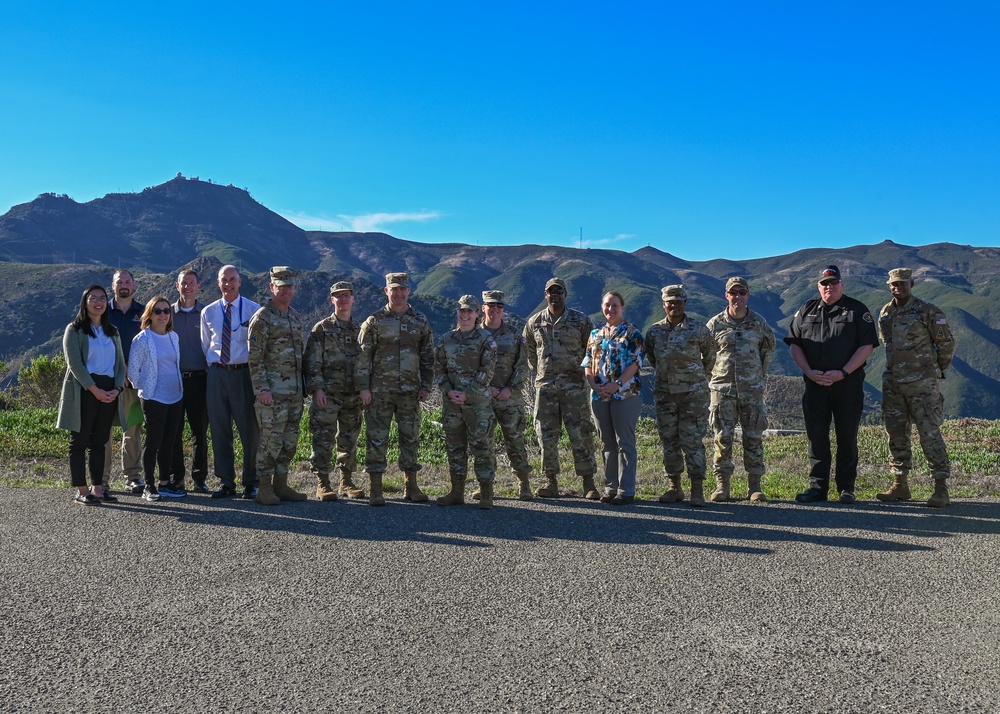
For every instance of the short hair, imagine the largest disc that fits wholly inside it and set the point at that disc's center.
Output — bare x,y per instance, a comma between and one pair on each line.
147,314
224,268
115,275
180,275
617,294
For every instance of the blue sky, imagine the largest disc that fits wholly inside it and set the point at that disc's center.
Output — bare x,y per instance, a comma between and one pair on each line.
708,130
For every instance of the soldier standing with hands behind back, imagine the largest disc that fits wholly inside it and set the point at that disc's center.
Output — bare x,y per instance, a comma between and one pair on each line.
919,348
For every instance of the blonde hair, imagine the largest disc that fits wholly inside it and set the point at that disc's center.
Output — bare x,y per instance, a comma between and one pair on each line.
147,314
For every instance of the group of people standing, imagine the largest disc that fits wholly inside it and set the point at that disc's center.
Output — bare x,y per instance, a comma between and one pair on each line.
236,363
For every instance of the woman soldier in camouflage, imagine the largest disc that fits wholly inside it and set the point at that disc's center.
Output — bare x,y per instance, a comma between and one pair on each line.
465,361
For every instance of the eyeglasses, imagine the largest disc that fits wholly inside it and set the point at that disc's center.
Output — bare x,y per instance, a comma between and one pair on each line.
97,298
739,293
161,310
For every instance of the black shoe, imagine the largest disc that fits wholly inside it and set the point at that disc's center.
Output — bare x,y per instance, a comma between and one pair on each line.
135,486
623,500
811,495
847,497
200,487
224,492
249,493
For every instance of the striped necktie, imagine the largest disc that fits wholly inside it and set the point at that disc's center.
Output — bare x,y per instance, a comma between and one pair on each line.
227,333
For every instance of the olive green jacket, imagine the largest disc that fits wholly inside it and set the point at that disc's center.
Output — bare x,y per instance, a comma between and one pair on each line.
76,347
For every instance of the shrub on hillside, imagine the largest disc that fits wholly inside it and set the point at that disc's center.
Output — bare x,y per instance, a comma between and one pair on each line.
39,383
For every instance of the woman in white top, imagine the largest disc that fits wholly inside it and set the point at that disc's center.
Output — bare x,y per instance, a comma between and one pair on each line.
95,376
154,367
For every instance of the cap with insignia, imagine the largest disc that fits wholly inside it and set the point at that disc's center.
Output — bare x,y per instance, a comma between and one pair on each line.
829,274
900,275
733,282
493,297
673,292
282,275
555,282
342,287
397,280
468,302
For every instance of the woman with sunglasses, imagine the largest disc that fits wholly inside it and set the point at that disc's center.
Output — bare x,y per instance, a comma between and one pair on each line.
95,376
154,367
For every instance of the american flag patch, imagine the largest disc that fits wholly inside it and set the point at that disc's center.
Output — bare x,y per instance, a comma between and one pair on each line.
942,321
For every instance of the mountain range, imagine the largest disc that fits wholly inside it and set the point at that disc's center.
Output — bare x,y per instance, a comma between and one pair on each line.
51,248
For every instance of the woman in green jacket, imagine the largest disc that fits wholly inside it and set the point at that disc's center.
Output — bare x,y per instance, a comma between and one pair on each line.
95,375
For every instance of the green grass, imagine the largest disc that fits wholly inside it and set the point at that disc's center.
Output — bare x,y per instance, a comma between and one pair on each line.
34,453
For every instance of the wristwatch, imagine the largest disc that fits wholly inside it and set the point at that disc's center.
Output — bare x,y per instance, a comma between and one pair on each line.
845,373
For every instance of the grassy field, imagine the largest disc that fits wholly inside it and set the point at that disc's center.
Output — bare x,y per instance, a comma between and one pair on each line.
33,453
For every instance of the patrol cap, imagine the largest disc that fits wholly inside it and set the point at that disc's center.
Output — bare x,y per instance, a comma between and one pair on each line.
900,275
673,292
282,275
397,280
493,297
342,287
556,282
733,282
830,273
468,302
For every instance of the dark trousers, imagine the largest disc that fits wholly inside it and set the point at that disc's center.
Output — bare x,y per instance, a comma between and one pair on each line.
842,402
162,423
230,401
196,409
86,447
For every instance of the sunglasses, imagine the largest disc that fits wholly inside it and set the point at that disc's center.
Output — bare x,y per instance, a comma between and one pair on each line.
161,310
739,293
555,291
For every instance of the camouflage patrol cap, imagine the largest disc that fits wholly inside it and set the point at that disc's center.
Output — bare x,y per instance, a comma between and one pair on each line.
468,302
899,275
397,280
493,297
733,282
342,287
282,275
673,292
555,282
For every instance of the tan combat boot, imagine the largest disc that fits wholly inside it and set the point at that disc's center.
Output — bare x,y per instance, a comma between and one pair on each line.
412,492
347,488
323,490
697,495
284,492
376,483
899,491
590,491
674,494
550,489
265,494
940,497
721,492
753,489
456,496
486,494
524,488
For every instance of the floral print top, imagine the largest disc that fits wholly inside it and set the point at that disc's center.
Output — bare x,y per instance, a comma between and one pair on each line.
610,351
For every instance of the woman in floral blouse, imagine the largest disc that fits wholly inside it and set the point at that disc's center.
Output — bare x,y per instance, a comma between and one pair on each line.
614,355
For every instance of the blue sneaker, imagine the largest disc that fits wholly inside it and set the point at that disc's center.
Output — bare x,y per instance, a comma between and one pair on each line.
171,491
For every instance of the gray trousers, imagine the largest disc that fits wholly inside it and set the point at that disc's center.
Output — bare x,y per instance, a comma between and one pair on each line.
616,420
231,400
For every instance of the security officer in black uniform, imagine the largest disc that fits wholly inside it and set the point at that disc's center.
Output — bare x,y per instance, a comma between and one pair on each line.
831,338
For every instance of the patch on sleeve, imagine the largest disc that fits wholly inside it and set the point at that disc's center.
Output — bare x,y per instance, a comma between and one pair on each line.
493,345
940,333
867,317
942,321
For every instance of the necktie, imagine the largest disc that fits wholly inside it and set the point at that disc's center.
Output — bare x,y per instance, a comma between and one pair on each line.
227,333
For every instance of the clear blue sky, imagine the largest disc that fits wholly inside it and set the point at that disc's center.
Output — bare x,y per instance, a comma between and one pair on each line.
708,130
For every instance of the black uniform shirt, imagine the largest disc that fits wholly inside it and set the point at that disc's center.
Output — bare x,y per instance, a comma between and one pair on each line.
829,335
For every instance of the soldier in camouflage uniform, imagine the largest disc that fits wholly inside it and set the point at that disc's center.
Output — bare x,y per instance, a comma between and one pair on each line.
465,362
276,345
919,348
395,372
505,389
556,341
335,414
746,344
682,353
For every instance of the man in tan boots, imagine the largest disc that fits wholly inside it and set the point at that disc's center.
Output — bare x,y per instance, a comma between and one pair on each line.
919,348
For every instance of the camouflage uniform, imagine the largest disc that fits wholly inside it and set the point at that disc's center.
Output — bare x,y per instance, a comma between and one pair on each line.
919,348
511,372
331,353
466,361
681,357
276,344
396,362
745,348
556,347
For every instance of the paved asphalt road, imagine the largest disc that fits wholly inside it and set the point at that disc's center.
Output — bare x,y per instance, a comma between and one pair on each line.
207,606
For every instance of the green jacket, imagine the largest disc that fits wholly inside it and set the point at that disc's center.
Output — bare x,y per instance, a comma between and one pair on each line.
76,348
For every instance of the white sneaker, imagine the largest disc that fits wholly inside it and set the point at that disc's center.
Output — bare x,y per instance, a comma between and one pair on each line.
150,494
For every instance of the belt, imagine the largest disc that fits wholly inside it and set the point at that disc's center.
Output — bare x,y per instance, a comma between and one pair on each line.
241,365
194,373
